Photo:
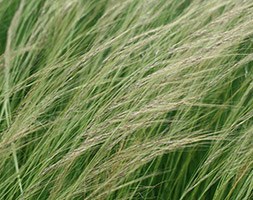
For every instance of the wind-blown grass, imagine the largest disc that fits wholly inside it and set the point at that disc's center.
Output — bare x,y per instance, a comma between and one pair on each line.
133,99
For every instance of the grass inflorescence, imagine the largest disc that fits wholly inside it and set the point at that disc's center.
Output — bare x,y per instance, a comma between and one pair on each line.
126,99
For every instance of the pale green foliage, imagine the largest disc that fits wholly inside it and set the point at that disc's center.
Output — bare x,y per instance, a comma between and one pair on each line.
126,99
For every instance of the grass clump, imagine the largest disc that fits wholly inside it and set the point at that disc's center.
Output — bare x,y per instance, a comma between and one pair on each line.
134,99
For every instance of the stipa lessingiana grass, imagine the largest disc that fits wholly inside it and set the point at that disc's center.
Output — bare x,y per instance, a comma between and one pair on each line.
136,99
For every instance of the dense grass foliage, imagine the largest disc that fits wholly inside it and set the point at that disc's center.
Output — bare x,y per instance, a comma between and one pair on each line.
126,99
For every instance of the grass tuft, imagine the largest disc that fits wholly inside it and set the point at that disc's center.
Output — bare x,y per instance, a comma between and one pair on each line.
134,99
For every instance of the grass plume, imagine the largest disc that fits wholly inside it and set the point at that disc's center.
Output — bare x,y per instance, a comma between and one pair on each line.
133,99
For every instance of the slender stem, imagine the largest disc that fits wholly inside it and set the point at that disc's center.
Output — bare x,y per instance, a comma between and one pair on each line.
7,109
